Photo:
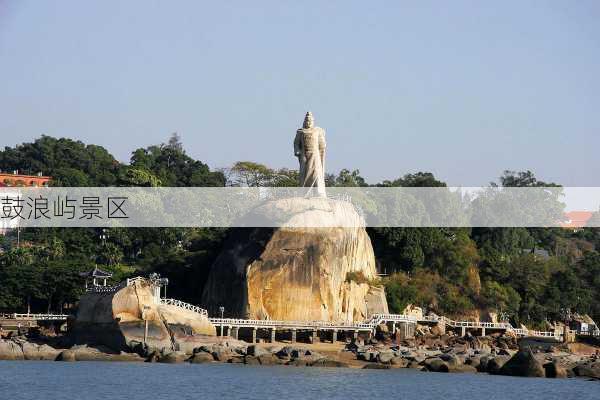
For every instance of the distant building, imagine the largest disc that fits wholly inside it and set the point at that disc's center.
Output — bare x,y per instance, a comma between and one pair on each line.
576,219
96,277
584,325
16,179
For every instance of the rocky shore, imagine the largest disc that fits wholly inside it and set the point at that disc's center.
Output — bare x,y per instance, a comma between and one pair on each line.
500,355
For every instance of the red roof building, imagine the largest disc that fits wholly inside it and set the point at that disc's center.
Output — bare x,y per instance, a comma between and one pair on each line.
16,179
576,219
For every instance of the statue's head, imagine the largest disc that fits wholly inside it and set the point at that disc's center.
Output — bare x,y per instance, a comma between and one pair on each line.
309,121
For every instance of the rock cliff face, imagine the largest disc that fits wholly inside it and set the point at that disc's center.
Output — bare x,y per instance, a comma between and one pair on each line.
298,273
116,319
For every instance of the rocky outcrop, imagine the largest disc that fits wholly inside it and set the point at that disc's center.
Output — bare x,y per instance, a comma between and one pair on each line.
555,370
523,363
589,369
117,320
20,349
32,351
298,273
9,350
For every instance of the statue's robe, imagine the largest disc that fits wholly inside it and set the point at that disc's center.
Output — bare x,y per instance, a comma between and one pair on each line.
309,146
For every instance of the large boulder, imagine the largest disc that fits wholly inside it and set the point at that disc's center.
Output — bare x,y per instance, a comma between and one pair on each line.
297,273
201,358
173,357
67,355
385,357
32,351
257,351
555,370
10,350
523,363
588,369
117,319
436,364
327,363
493,364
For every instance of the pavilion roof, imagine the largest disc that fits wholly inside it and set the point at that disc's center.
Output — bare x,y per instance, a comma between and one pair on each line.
96,273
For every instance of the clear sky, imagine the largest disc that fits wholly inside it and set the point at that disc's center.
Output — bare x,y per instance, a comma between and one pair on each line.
462,89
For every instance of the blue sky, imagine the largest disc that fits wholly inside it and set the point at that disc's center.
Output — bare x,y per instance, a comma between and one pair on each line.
462,89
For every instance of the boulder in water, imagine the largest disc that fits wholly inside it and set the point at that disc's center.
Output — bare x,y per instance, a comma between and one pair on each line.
9,350
523,363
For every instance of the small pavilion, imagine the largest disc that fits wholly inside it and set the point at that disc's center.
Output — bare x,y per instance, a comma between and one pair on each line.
97,276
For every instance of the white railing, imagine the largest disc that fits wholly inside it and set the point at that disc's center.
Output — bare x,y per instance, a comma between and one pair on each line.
375,320
269,323
370,324
589,333
40,317
181,304
491,325
103,289
131,281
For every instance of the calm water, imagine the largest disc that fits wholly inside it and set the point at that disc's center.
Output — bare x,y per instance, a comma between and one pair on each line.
41,380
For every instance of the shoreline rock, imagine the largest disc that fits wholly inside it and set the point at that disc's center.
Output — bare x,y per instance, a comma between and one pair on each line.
378,355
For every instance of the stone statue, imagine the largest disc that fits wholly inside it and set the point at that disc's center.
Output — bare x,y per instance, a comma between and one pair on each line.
309,147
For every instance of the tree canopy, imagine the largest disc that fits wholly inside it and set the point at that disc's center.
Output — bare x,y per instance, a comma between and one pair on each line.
528,274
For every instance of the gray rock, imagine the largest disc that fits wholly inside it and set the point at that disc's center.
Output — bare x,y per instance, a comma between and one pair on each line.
324,362
385,357
494,364
154,357
450,359
399,362
208,348
290,352
254,350
268,359
376,366
414,365
554,370
251,360
66,355
32,351
10,350
173,357
222,353
296,362
237,359
369,355
474,361
462,368
436,364
417,358
523,364
589,370
201,358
